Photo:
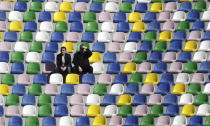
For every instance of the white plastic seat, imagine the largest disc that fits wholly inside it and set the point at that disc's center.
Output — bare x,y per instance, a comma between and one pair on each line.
117,89
51,6
186,99
66,121
110,110
56,78
42,36
69,1
21,47
93,99
33,57
112,7
4,67
107,27
208,26
200,56
206,89
1,100
204,46
144,1
203,110
183,78
46,26
104,37
179,16
98,68
130,47
206,16
179,121
15,16
29,110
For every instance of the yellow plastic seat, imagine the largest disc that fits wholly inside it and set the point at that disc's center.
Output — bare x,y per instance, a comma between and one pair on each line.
156,7
4,89
188,110
15,26
59,16
99,121
69,46
125,99
95,57
94,110
10,0
0,36
66,7
72,79
151,78
165,36
185,0
191,46
130,68
139,27
179,89
134,17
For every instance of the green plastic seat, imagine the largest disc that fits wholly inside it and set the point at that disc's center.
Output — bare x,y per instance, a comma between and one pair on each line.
45,110
147,121
92,27
33,68
17,57
44,99
125,110
12,99
61,27
194,89
36,47
24,0
183,26
160,47
136,78
190,67
35,89
158,1
140,57
100,89
156,110
150,36
26,36
32,121
29,16
200,6
102,1
207,121
126,7
8,79
89,17
201,99
35,6
83,43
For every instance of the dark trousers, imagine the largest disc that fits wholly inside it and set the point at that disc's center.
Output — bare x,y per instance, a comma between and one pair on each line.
64,73
85,69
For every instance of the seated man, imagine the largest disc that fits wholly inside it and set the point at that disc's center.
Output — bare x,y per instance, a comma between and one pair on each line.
81,61
63,61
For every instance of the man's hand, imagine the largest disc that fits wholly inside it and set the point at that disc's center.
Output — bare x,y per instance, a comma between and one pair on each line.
63,68
80,69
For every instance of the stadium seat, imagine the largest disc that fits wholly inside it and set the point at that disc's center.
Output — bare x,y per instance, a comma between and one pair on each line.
155,99
44,16
15,16
61,110
66,120
14,120
104,16
18,89
44,99
61,27
160,47
205,16
28,99
147,89
195,36
160,67
179,89
10,36
67,89
156,110
74,16
147,120
96,7
82,120
35,6
88,37
150,36
109,57
163,88
134,37
124,99
98,47
155,57
139,99
51,47
141,110
184,57
179,16
8,79
66,7
145,47
48,57
195,88
201,99
119,17
95,57
130,68
72,37
123,27
93,110
81,7
72,79
111,7
45,111
29,110
117,89
105,79
57,37
114,47
172,110
167,78
191,46
88,79
198,25
151,78
134,17
168,25
98,68
109,100
170,57
76,27
104,37
100,89
165,36
170,99
156,7
179,36
188,110
15,26
131,120
183,78
180,120
59,16
4,57
110,110
113,68
193,16
31,27
138,27
153,26
141,7
149,17
125,110
49,121
47,26
32,120
107,27
36,47
12,99
163,120
20,6
35,89
4,89
186,99
23,79
42,37
190,67
121,79
33,68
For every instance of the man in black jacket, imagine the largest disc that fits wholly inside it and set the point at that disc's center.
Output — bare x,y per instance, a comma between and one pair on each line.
81,61
63,62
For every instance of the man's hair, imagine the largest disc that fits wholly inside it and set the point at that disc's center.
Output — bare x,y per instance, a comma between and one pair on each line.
63,48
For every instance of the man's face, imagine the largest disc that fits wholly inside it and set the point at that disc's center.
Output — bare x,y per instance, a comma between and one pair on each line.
83,49
63,51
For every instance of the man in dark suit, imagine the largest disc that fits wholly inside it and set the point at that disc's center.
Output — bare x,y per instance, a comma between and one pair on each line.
63,61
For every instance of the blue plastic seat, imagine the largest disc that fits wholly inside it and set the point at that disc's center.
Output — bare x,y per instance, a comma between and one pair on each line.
121,79
206,35
60,100
96,7
113,68
171,0
132,89
10,36
67,89
155,57
139,99
18,89
193,16
48,57
141,7
86,1
28,99
109,100
180,36
17,68
76,27
1,111
131,121
172,110
119,17
51,47
44,16
39,0
167,78
150,16
184,57
88,79
163,88
15,121
196,121
129,1
109,57
204,67
88,37
170,99
160,67
145,47
30,26
208,79
185,6
123,27
2,16
40,79
20,6
98,47
198,26
134,37
74,16
4,57
83,121
49,121
61,110
57,37
175,46
153,26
